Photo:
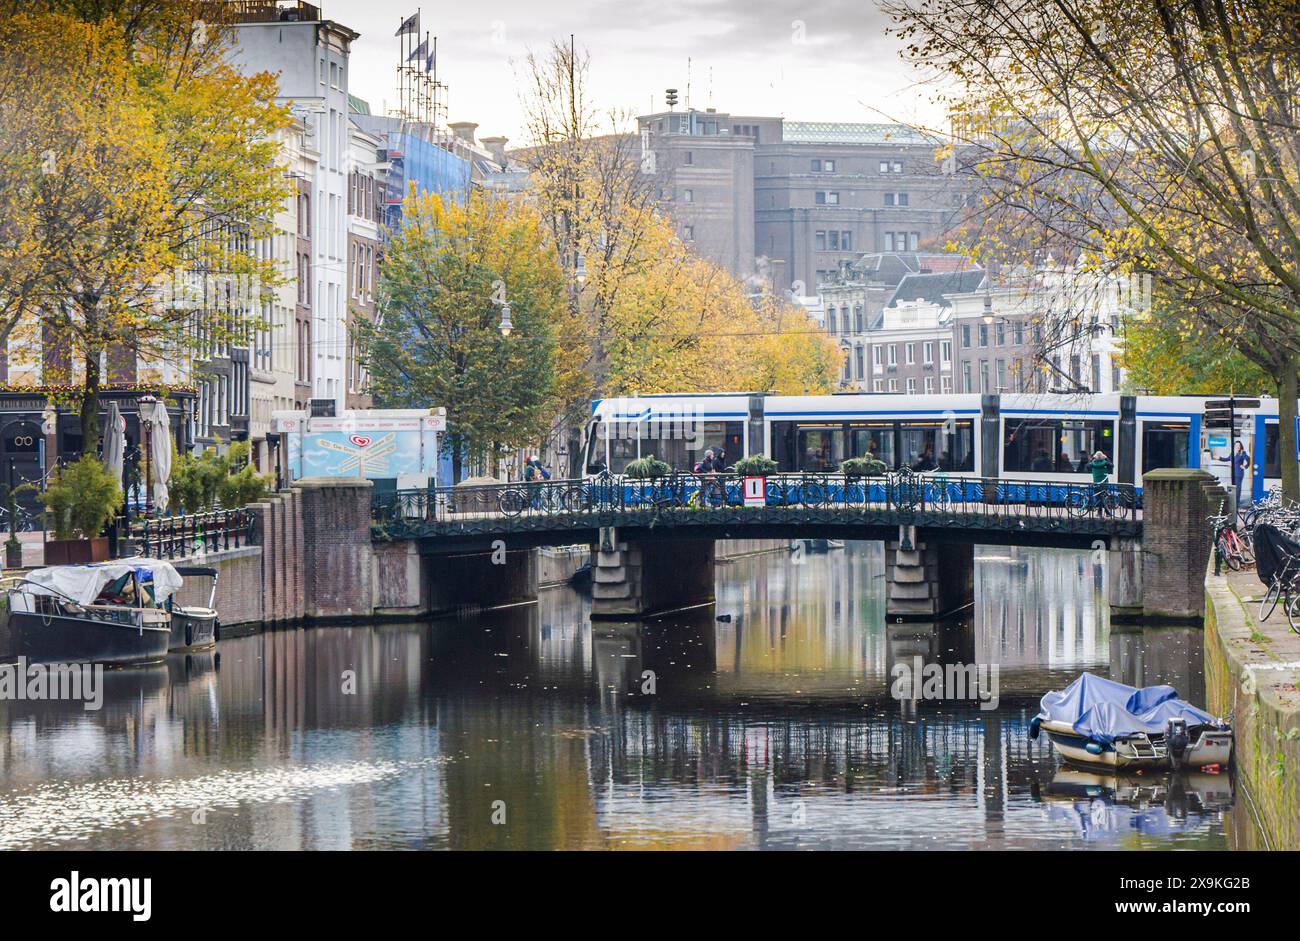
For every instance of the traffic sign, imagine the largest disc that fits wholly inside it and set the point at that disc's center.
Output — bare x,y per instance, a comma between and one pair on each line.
755,491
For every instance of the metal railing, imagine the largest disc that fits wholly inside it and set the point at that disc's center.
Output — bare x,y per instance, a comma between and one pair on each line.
927,499
182,537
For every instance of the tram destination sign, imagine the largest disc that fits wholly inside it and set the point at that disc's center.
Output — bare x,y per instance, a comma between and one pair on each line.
1219,413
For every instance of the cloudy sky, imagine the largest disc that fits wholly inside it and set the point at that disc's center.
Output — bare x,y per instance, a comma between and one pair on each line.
812,60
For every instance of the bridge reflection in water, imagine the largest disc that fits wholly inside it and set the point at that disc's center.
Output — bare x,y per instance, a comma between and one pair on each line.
772,727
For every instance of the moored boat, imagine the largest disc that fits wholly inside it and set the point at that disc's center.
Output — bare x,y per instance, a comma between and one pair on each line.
1099,723
109,612
194,627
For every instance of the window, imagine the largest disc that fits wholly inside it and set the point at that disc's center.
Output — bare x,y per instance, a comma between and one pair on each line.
1054,445
879,385
816,165
928,351
965,370
688,196
1018,333
877,356
690,157
898,166
819,198
965,336
823,198
902,199
984,376
833,240
820,240
1000,334
893,354
911,354
945,351
828,166
984,334
911,386
859,363
1096,372
844,320
945,385
884,166
830,320
1164,444
846,241
688,233
1002,375
929,385
914,241
893,385
889,241
889,199
858,323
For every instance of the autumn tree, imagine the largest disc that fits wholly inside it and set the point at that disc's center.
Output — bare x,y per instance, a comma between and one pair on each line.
438,339
1156,138
153,162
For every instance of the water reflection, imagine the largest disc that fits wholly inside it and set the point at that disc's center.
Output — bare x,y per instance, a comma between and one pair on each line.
764,721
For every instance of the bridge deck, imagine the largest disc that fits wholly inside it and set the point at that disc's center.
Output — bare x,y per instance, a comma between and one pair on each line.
791,506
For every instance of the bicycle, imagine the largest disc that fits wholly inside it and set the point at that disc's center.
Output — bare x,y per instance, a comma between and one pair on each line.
1228,544
1086,499
941,498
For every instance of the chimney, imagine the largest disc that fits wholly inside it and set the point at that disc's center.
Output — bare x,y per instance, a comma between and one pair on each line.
464,130
496,146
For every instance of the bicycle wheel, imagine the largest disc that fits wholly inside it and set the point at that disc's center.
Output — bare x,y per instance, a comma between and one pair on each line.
1078,502
814,493
1270,599
512,502
1293,614
1228,554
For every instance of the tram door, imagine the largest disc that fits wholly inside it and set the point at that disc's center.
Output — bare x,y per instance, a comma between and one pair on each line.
20,461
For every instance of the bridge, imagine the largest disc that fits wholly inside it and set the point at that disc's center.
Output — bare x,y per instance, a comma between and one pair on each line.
653,540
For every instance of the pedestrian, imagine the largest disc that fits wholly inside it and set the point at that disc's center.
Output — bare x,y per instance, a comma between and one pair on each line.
1100,468
1240,465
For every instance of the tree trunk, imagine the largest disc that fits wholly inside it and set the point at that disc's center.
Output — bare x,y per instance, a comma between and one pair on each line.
1286,414
456,464
90,406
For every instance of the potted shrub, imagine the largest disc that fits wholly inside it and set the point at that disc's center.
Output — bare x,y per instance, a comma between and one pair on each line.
79,502
13,548
756,465
648,467
863,467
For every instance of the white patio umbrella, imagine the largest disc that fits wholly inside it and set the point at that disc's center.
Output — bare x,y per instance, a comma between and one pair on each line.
160,453
114,442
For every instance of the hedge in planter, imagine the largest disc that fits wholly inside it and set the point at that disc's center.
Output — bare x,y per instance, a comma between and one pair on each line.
647,467
756,465
863,467
80,500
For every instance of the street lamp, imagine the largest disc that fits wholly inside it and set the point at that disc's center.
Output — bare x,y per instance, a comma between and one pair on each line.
506,325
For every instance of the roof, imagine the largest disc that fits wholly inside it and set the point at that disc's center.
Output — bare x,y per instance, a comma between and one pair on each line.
358,105
840,132
933,287
892,267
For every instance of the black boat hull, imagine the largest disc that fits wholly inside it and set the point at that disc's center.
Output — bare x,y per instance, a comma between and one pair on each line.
57,638
192,631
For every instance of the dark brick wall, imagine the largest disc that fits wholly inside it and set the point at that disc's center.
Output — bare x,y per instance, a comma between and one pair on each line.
337,557
1176,506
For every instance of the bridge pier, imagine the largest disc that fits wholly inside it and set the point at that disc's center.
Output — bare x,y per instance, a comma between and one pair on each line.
1124,578
927,580
1176,535
636,579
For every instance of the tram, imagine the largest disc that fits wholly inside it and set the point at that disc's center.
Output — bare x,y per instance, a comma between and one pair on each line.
1025,436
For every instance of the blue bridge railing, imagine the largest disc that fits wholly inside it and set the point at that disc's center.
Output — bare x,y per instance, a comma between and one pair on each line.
926,498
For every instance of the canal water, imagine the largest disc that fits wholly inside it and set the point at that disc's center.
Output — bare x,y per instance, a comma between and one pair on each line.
768,722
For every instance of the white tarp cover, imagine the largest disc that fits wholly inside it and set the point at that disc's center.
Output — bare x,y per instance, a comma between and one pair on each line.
160,454
83,583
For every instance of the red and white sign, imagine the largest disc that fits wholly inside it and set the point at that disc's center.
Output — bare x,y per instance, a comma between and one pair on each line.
755,491
361,440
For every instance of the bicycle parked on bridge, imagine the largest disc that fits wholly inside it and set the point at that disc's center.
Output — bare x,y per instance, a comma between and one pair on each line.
1278,567
1228,544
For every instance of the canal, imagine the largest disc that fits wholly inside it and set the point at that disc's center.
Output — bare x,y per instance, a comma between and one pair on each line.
766,723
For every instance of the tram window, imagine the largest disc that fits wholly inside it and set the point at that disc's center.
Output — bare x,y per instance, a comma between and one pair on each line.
1164,445
1272,462
622,446
918,445
596,448
874,440
820,449
957,447
1054,446
679,442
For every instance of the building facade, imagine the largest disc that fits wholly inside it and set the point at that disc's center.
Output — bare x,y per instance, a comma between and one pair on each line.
311,55
792,202
366,192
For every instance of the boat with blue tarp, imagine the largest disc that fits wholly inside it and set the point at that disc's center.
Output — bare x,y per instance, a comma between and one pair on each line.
1099,723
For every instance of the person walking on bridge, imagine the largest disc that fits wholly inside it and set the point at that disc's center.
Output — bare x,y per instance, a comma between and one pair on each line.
1100,468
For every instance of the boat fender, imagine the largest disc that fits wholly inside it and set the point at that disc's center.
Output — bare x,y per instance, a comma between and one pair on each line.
1034,725
1093,748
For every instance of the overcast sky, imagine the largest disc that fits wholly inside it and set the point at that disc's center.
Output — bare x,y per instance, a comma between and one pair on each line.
818,60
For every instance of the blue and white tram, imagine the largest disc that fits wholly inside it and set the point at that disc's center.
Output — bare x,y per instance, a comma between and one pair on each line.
1028,436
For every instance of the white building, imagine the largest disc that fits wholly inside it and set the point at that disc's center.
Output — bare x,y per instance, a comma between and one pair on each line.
311,56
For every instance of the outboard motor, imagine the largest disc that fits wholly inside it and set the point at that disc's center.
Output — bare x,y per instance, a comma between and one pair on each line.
1176,741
